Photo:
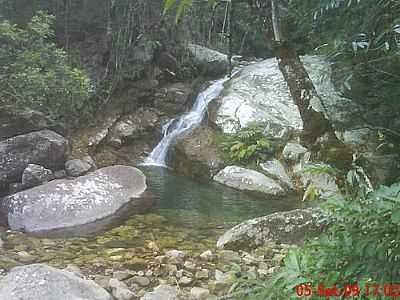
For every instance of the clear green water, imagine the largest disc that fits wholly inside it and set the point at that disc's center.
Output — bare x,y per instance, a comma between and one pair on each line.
187,215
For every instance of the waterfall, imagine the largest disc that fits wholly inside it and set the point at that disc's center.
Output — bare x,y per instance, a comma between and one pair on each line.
184,123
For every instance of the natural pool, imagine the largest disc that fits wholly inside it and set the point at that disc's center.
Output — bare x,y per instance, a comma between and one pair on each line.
187,215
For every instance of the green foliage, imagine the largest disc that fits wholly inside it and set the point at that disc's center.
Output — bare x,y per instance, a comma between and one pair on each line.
35,73
248,145
361,246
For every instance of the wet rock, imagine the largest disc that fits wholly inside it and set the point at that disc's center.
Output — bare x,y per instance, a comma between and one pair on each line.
198,293
164,292
196,154
210,62
248,180
35,175
39,281
8,263
259,93
65,203
45,148
287,227
293,152
275,169
120,290
16,121
77,167
174,98
175,257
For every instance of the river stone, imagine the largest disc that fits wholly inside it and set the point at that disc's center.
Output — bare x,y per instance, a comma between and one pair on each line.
33,282
164,292
259,93
35,174
198,293
45,148
211,62
248,180
275,168
65,203
285,227
77,167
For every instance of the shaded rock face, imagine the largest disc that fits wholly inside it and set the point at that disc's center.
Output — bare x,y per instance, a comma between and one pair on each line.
285,227
45,148
197,155
67,203
259,93
77,167
210,62
16,121
248,180
383,169
39,281
323,184
143,122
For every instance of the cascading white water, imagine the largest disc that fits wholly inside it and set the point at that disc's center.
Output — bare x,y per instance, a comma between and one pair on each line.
184,123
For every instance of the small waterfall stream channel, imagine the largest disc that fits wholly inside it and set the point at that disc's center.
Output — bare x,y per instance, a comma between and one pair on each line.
188,215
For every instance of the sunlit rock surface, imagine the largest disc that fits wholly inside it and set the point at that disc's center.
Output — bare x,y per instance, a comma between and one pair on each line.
259,93
248,180
66,203
34,282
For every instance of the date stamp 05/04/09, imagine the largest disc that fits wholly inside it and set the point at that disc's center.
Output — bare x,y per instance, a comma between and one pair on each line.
348,290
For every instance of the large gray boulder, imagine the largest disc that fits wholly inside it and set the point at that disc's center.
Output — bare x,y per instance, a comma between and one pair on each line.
196,154
45,148
67,203
248,180
211,62
259,93
16,121
285,227
34,282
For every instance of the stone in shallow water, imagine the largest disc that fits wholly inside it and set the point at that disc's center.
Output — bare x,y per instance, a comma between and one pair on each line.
66,203
248,180
34,282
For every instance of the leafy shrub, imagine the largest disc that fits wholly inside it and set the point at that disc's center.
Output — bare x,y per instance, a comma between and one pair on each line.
248,145
361,247
35,73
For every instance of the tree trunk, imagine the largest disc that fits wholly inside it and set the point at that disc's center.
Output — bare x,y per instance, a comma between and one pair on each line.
302,90
300,85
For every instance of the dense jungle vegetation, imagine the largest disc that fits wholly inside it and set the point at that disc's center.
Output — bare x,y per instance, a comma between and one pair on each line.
56,59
